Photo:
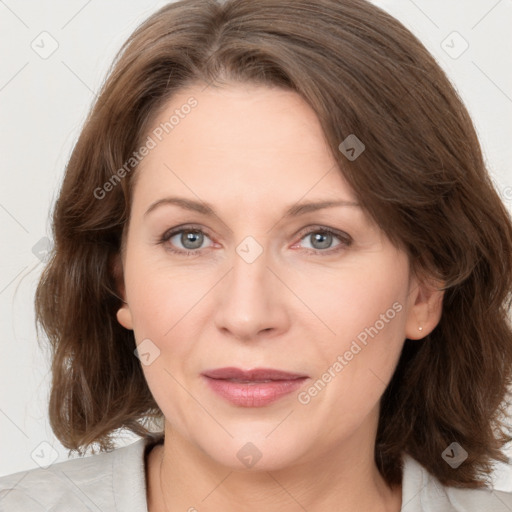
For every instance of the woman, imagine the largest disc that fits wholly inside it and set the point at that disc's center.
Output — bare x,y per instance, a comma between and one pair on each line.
277,236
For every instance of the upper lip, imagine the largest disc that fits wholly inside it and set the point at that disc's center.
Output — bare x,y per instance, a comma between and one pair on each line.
256,374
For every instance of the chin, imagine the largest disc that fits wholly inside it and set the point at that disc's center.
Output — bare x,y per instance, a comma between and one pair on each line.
255,451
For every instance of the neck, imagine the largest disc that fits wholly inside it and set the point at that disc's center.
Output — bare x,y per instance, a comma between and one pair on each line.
181,477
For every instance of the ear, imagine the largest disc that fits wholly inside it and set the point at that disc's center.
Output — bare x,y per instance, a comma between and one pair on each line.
426,308
124,315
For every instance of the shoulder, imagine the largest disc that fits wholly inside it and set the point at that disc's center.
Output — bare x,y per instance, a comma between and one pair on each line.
421,491
106,481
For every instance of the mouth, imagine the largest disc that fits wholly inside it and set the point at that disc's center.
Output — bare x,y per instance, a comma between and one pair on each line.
252,388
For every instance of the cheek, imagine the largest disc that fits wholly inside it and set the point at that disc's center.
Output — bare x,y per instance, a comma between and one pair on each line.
349,302
366,311
166,306
160,295
163,302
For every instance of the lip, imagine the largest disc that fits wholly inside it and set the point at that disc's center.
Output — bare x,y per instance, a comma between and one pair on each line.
255,374
252,388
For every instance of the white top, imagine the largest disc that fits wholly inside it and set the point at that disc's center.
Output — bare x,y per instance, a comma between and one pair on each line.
115,482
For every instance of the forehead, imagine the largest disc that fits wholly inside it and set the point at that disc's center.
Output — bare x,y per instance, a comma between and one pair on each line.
240,140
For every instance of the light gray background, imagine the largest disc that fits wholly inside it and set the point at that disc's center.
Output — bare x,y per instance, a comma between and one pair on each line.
45,98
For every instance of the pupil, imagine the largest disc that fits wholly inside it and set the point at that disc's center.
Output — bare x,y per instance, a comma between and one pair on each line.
326,240
191,239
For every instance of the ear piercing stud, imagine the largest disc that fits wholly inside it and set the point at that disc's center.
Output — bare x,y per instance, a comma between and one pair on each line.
420,328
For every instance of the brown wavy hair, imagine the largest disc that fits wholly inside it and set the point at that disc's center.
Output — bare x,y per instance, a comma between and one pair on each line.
422,178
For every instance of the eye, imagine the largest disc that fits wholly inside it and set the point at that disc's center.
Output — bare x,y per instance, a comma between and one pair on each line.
321,240
189,240
184,240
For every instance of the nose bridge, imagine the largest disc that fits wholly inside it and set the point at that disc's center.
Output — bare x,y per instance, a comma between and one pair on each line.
250,301
249,280
250,273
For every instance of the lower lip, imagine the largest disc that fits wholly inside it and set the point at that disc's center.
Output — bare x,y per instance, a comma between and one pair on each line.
254,394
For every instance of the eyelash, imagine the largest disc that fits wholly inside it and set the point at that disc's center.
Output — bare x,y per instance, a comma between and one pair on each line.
344,238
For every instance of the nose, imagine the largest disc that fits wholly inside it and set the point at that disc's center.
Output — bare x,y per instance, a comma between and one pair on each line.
251,301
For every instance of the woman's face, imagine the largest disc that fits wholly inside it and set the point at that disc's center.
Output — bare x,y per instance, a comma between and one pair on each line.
238,271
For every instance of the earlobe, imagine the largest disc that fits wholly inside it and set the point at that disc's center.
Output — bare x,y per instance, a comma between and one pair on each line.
425,313
124,317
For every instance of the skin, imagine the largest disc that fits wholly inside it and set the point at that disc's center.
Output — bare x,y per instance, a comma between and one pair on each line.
251,152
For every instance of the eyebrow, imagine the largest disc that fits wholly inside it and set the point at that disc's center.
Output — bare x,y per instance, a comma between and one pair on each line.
206,209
